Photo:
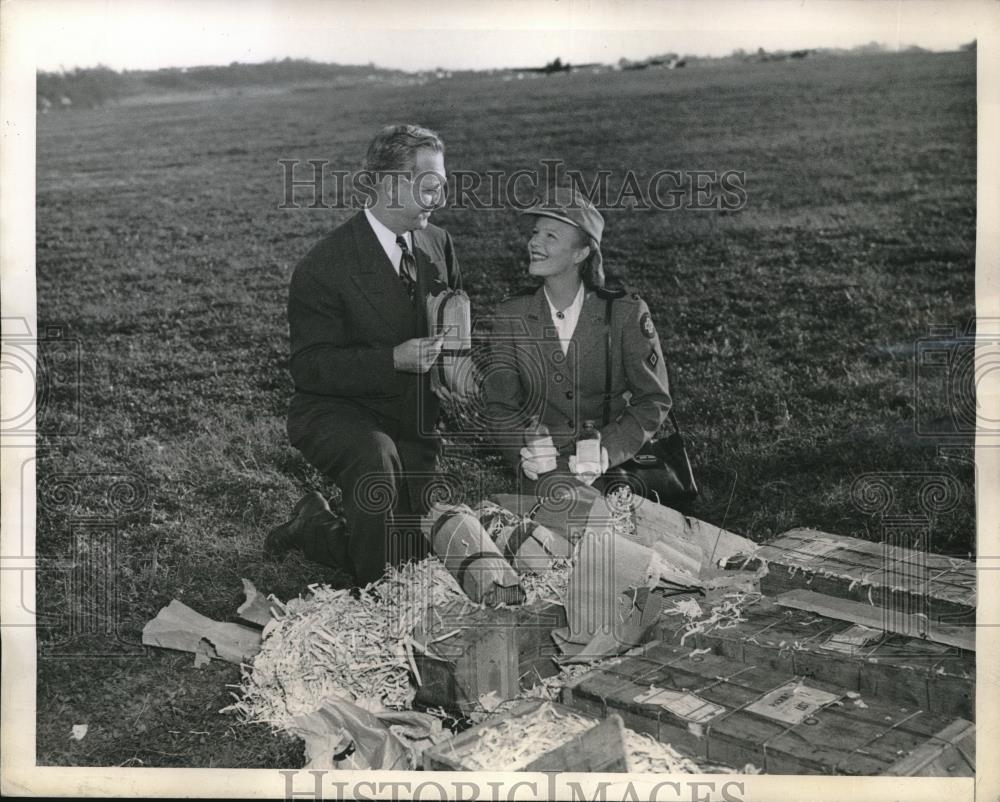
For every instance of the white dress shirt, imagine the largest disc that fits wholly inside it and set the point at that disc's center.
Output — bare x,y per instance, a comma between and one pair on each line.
566,320
387,239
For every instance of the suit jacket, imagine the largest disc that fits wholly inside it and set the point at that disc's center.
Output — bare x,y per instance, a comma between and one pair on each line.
347,310
529,374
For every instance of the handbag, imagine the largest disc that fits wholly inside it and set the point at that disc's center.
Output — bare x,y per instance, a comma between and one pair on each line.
660,470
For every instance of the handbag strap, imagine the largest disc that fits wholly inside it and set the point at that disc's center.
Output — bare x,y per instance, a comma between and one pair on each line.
607,371
607,361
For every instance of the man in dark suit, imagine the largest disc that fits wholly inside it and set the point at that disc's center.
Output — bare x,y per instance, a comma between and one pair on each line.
363,412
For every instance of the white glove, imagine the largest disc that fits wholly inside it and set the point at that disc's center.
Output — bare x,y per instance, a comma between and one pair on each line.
589,478
533,464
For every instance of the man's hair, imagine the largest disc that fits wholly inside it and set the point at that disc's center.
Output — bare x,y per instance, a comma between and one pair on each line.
395,147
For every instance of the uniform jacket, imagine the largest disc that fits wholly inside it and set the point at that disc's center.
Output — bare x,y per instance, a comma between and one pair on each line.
528,373
347,310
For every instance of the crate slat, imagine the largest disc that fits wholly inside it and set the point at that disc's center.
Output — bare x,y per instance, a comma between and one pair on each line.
601,748
878,617
951,753
883,574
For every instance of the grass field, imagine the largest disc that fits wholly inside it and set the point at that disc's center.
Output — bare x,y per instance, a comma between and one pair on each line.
791,327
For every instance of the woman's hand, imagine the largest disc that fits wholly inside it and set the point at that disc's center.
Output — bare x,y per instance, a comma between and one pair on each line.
533,464
589,478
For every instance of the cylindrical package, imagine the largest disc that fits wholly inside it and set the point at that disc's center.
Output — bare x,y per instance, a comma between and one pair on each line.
526,544
450,313
467,551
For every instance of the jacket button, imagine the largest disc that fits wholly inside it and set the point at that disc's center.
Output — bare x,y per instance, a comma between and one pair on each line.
558,377
569,394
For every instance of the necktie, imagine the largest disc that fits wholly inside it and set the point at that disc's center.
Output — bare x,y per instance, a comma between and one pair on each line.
407,269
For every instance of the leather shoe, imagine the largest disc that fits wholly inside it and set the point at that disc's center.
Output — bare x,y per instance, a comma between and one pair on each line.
289,535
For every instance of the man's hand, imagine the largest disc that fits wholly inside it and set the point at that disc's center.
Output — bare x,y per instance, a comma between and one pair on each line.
417,355
588,478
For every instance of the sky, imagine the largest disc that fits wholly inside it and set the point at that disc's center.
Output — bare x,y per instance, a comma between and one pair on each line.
468,34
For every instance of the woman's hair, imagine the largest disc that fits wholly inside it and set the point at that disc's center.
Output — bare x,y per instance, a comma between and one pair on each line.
592,269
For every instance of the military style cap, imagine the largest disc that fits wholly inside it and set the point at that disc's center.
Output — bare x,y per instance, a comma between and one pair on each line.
570,206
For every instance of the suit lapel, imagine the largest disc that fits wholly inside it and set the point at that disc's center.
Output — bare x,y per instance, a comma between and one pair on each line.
543,330
378,282
541,325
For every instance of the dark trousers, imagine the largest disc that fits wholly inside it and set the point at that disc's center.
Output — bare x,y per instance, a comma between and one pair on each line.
382,471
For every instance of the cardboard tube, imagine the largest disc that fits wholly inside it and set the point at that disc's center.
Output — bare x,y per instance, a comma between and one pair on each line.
470,556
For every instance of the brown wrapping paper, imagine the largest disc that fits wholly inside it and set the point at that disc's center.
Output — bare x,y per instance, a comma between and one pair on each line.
609,595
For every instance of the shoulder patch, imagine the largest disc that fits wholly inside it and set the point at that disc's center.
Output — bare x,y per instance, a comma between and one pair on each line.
646,326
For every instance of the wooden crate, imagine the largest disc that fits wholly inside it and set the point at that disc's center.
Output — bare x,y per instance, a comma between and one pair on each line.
951,754
729,712
495,649
908,671
600,748
882,574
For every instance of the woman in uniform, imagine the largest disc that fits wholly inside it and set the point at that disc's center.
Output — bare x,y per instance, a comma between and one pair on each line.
549,345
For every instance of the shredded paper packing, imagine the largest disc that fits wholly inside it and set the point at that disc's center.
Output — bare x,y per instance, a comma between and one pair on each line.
338,645
514,743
